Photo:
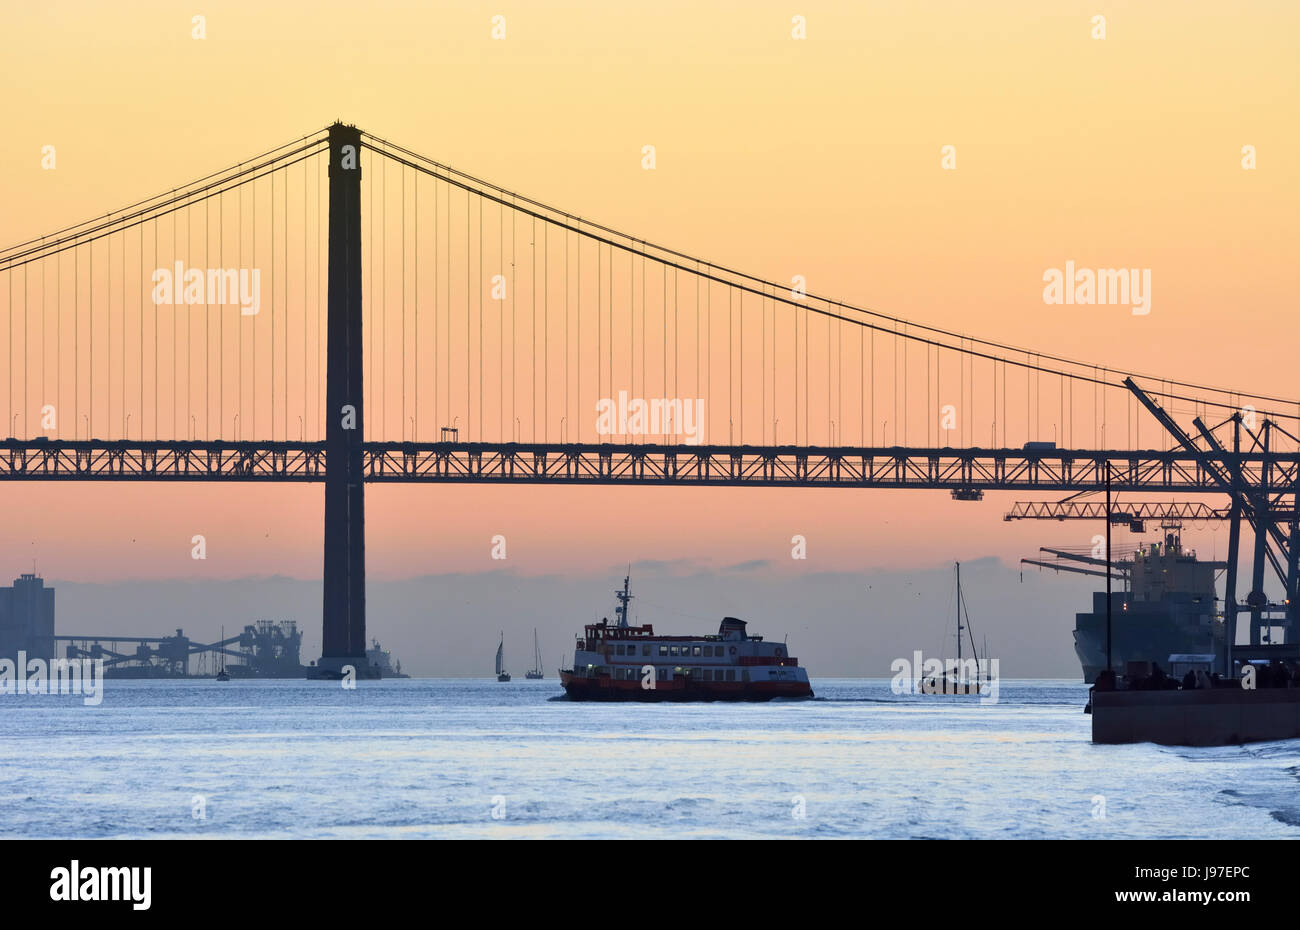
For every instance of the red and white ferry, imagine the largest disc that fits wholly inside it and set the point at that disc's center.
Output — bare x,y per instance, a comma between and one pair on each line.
619,662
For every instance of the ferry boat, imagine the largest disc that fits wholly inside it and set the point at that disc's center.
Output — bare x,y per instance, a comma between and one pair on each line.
621,662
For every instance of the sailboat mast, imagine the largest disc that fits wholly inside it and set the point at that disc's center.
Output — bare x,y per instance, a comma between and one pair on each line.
964,612
958,564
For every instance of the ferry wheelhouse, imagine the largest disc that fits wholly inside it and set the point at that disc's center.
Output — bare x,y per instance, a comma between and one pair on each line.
620,662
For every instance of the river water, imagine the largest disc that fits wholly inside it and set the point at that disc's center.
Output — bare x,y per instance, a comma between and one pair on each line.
475,758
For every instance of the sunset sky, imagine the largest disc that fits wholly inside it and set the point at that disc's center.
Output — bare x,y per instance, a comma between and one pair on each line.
818,157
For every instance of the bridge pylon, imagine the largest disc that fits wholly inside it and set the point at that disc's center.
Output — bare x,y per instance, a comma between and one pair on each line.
344,622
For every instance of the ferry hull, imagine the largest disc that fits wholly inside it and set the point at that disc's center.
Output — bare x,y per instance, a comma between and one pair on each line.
604,688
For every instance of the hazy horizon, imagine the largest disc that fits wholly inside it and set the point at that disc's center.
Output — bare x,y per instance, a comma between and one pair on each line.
839,624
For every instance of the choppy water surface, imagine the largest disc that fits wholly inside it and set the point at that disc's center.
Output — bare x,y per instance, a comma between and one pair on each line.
437,758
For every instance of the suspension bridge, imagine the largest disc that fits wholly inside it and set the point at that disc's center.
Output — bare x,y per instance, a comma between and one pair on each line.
344,310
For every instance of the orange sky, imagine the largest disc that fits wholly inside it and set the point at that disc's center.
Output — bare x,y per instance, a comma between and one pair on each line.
818,157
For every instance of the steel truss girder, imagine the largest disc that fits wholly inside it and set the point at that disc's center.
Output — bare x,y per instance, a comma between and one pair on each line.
573,463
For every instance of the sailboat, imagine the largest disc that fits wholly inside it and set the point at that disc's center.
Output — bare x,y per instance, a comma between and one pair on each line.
502,674
955,681
221,673
535,672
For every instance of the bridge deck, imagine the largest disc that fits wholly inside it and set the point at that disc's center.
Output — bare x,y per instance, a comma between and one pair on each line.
573,463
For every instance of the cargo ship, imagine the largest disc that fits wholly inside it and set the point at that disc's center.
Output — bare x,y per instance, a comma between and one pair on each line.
1169,606
382,659
622,662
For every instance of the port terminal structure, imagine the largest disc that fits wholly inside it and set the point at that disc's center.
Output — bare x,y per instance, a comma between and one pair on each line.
1263,507
264,649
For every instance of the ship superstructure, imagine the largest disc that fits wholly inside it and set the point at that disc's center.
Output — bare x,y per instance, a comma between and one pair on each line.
1169,606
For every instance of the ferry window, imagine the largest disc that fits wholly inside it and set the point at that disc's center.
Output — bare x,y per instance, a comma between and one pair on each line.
708,650
663,650
645,650
706,675
620,650
672,650
695,651
731,674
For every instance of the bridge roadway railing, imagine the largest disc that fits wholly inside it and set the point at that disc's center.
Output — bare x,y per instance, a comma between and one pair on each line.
646,464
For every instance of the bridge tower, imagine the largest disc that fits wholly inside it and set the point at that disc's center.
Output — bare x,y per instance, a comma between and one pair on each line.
344,634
